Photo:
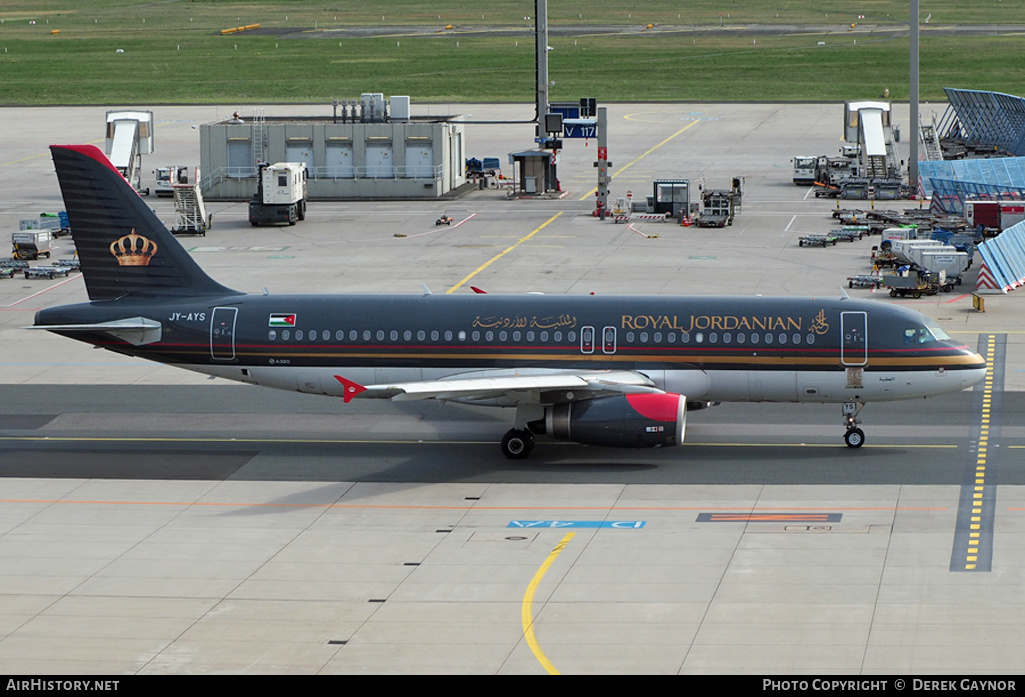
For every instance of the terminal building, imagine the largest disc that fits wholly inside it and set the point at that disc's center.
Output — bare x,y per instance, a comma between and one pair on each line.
365,149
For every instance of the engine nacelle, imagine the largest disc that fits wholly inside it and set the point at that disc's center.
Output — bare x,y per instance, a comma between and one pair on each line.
624,421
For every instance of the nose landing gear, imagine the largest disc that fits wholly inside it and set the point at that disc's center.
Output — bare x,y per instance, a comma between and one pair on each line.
854,437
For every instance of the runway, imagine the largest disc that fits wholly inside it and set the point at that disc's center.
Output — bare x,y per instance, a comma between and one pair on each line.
155,522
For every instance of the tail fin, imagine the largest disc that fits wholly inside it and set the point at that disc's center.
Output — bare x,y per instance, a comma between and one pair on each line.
124,248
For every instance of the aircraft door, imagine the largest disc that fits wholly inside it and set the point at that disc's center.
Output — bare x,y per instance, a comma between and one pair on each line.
854,338
222,333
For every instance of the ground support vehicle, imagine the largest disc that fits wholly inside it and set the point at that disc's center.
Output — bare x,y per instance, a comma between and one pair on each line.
884,257
717,208
31,244
72,264
7,272
47,271
280,194
864,281
56,223
917,283
849,233
817,240
445,219
190,213
168,177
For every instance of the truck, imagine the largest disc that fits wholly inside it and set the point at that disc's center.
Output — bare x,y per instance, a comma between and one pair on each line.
994,215
807,169
167,177
916,283
280,194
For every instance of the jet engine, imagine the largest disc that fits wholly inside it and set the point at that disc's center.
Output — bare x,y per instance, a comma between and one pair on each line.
627,421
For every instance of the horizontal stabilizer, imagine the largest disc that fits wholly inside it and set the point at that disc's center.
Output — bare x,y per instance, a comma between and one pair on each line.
137,331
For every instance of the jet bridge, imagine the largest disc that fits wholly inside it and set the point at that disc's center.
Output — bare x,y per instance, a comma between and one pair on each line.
129,137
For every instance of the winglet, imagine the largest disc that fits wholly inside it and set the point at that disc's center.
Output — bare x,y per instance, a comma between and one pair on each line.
351,389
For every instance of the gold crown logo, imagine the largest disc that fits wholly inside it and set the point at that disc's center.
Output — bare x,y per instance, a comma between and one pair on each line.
133,249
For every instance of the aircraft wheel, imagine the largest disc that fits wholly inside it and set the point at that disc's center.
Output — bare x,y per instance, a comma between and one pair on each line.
854,438
517,444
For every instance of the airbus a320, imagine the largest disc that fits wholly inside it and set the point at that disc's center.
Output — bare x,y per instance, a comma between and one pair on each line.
611,371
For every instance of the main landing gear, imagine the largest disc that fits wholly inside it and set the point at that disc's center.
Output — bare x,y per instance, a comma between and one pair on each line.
517,443
854,437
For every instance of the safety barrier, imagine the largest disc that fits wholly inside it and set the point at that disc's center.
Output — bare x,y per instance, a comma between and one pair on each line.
235,30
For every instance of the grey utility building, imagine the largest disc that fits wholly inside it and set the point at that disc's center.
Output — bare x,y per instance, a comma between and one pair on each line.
367,151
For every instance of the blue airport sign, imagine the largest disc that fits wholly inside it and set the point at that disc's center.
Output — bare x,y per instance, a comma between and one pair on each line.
579,128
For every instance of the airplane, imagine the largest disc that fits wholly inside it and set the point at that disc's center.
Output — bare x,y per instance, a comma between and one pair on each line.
610,371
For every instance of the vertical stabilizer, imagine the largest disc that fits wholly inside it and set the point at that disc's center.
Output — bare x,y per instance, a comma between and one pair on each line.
124,248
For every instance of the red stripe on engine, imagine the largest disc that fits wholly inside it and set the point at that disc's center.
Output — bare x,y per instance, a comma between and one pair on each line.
657,407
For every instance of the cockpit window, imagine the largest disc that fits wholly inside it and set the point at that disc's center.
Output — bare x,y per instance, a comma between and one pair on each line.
925,334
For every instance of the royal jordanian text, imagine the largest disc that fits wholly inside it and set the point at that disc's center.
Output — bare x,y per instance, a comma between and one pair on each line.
717,322
63,685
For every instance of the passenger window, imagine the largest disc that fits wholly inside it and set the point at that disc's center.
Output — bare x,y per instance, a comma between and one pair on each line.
285,334
298,334
272,335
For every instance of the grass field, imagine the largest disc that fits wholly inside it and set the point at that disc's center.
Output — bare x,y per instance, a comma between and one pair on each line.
119,52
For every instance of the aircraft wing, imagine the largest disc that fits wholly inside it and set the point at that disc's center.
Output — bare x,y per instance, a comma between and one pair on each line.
513,387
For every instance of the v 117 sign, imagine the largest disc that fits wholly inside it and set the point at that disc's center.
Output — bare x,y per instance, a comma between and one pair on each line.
579,128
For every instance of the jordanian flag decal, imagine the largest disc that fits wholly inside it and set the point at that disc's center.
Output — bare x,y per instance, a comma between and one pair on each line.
282,320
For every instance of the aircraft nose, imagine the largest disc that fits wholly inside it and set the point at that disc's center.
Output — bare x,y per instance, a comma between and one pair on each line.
977,372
